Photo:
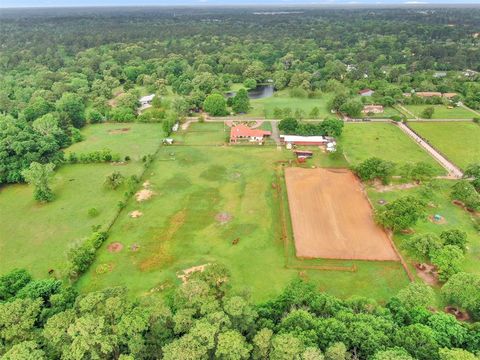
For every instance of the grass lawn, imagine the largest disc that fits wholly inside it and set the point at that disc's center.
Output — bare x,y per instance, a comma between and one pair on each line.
130,139
442,112
388,112
456,218
281,99
361,141
196,181
459,141
36,236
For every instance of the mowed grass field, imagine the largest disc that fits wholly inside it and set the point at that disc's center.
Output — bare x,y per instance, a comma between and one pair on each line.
455,218
195,183
361,141
36,236
442,112
459,141
282,99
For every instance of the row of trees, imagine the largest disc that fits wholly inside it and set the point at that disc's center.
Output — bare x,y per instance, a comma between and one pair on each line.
204,319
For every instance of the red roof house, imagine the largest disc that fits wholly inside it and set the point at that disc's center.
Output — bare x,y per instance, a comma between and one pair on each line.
244,133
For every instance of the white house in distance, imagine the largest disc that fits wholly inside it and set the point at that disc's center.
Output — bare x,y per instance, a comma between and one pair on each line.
146,102
366,92
295,140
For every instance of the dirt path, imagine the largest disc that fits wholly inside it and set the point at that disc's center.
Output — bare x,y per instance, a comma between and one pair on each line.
404,109
452,169
275,132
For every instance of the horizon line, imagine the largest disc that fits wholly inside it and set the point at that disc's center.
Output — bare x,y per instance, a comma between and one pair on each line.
379,4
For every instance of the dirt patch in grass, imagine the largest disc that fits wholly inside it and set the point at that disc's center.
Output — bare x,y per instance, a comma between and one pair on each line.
428,273
223,218
118,131
379,187
136,214
115,247
144,195
186,273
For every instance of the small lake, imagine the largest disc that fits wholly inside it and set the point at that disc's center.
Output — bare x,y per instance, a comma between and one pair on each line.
260,92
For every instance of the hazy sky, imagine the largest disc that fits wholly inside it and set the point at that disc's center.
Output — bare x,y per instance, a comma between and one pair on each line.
53,3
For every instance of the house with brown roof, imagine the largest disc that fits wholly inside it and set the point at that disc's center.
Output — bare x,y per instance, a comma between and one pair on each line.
242,133
366,92
449,95
428,94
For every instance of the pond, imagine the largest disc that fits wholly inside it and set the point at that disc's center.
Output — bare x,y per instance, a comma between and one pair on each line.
260,92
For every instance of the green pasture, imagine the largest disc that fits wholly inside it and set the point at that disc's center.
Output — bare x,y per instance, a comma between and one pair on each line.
361,141
281,99
459,141
36,236
442,112
196,181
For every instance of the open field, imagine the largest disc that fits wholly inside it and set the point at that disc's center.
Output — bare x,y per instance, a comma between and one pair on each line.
332,218
441,112
361,141
389,111
455,218
459,141
281,99
36,236
218,204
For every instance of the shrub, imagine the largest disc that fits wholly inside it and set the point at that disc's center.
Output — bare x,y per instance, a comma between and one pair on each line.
93,212
114,180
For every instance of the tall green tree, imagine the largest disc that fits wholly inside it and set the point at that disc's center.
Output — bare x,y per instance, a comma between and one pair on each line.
39,175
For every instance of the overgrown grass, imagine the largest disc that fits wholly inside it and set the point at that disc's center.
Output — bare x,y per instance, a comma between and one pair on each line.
459,141
36,236
361,141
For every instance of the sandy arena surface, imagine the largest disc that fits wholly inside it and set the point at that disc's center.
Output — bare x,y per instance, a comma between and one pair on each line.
332,217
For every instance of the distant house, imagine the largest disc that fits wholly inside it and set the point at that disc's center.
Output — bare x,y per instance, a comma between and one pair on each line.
146,100
303,140
366,92
242,133
440,74
470,73
449,95
427,94
373,109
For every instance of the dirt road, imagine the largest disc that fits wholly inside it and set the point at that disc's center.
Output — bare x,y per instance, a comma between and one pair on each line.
452,169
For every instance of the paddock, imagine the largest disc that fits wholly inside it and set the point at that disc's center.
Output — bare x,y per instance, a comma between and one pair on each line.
332,218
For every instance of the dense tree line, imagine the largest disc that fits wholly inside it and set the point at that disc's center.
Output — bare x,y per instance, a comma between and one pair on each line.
60,69
204,319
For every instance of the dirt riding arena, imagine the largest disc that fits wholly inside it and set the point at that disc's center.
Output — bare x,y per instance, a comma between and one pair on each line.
332,218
